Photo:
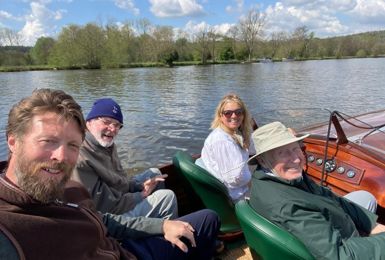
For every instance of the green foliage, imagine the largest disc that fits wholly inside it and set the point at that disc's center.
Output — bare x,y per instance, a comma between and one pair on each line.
79,46
168,57
361,53
113,46
14,56
242,54
227,54
42,49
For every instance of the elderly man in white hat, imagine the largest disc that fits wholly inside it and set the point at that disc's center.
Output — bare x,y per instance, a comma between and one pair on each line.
331,227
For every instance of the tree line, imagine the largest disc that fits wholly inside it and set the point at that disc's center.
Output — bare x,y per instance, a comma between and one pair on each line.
140,43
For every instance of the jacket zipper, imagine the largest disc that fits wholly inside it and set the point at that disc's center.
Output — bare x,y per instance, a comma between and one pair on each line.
95,219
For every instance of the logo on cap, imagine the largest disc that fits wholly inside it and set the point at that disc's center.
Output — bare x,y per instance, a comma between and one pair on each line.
114,110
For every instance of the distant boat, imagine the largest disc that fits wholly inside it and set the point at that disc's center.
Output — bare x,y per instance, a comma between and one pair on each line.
288,59
264,60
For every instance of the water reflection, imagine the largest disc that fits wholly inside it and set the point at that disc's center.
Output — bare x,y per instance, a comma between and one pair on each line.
166,110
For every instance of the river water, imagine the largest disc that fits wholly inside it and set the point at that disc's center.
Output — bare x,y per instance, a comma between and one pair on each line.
170,109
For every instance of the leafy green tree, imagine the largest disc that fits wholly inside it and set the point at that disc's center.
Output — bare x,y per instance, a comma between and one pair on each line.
182,46
66,52
117,45
168,57
361,53
80,47
163,37
227,53
92,45
42,49
378,49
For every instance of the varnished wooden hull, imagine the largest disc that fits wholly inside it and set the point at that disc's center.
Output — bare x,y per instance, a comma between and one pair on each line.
362,157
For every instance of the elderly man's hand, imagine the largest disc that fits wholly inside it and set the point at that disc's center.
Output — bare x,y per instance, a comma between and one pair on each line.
150,184
173,230
379,228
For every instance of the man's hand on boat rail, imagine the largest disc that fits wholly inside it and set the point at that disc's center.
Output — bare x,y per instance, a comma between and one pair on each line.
173,230
150,184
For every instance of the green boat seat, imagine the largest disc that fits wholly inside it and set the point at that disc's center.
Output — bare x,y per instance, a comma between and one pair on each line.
267,240
211,191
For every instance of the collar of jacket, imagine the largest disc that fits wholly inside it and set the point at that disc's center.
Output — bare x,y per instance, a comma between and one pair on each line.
267,174
13,194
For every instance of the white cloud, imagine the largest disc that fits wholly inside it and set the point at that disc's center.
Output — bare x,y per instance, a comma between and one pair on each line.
39,22
127,5
371,11
237,8
318,16
331,5
5,15
175,8
194,28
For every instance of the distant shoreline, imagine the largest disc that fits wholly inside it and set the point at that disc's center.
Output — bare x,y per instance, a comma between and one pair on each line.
160,65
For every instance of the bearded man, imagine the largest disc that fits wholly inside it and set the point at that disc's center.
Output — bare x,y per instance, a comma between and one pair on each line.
100,170
44,215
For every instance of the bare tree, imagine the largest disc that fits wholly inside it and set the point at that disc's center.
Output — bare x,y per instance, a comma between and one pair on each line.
301,40
143,26
213,36
277,41
251,28
202,41
9,37
233,34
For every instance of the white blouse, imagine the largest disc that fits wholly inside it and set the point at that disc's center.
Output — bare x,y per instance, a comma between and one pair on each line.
227,161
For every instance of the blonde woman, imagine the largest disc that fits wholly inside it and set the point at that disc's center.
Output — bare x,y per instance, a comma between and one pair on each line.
226,150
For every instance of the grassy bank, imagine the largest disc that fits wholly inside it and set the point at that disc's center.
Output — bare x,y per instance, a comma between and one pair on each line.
153,64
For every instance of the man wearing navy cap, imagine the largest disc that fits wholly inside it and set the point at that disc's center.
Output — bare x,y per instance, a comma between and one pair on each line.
99,169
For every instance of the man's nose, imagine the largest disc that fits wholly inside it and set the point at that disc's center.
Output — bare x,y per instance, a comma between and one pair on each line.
295,157
60,153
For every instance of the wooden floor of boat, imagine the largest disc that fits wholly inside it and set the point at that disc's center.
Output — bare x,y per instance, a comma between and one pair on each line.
240,253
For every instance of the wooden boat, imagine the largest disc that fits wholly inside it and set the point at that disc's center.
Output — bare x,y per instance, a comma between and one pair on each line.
355,148
345,153
348,154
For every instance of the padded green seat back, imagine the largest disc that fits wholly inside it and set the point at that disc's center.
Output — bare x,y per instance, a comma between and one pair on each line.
267,240
210,190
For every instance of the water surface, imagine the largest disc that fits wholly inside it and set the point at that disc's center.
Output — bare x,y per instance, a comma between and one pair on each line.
170,109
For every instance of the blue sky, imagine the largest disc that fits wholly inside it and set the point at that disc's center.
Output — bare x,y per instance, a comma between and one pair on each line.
33,19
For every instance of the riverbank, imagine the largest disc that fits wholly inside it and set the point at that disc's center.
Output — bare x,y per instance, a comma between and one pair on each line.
122,66
160,65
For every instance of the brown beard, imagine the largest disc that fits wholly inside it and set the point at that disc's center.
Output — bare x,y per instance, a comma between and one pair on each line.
41,188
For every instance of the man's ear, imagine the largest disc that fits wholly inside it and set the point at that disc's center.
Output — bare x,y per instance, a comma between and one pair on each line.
11,143
262,161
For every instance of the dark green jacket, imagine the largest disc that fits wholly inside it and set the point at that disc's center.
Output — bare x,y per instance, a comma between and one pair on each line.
329,225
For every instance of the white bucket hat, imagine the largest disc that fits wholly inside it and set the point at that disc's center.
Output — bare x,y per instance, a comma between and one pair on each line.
273,135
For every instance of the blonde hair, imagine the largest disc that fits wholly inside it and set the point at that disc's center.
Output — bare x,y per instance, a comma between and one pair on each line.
244,128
